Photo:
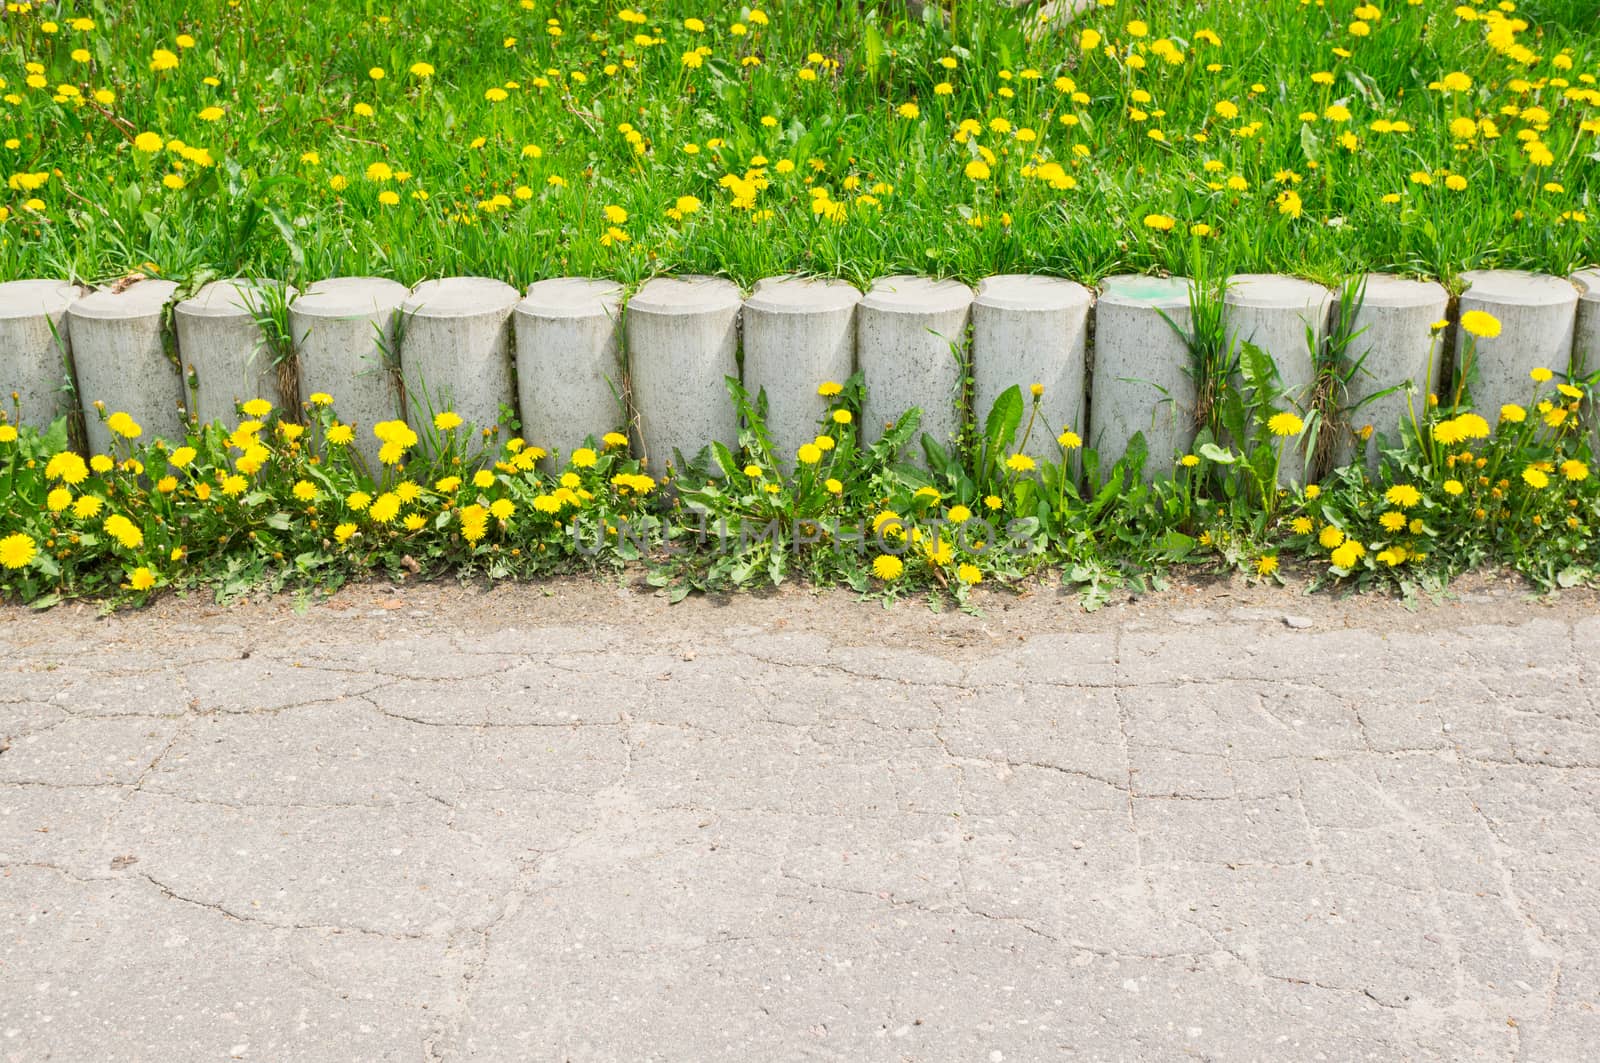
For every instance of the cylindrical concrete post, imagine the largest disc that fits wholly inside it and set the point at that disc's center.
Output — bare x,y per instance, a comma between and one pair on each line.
35,354
683,343
798,333
1030,330
1394,343
455,349
344,334
221,343
1276,314
1586,329
568,333
1537,315
911,339
121,358
1141,379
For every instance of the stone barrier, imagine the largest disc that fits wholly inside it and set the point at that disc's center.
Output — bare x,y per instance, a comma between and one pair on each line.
568,338
455,350
344,334
911,342
683,344
1288,319
1141,377
1030,330
1395,342
576,358
35,350
1536,314
222,347
120,351
1586,327
798,334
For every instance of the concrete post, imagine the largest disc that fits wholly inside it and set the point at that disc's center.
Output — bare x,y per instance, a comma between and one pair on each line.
121,358
35,354
1537,315
683,342
911,341
1586,331
1275,314
798,333
220,342
1030,330
568,334
342,329
455,350
1141,379
1394,343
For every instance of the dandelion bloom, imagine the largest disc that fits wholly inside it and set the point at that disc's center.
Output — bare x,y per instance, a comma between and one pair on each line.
17,550
1266,564
968,573
1330,537
1348,553
1069,440
1453,487
584,458
1020,463
1540,375
142,579
1513,413
1574,470
1480,323
1159,222
384,508
67,467
1285,424
124,425
829,388
887,567
446,421
1535,478
123,531
809,453
1403,495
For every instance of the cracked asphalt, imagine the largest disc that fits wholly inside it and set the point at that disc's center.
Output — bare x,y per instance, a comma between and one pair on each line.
571,822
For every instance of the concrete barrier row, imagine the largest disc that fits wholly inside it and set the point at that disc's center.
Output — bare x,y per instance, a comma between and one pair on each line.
1112,363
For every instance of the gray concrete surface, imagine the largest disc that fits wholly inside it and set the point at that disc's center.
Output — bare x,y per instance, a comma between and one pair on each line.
570,822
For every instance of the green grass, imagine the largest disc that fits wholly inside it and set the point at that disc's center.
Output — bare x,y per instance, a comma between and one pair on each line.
288,79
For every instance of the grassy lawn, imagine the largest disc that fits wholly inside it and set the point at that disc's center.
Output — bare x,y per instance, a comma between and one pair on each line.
418,138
